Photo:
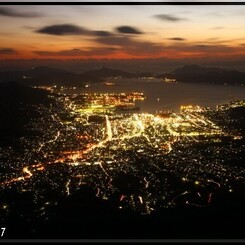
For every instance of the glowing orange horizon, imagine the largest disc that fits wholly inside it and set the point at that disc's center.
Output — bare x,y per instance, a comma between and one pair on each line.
122,56
120,32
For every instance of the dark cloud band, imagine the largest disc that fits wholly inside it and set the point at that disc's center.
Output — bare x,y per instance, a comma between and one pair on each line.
128,30
14,13
8,51
177,39
65,29
168,17
70,29
77,52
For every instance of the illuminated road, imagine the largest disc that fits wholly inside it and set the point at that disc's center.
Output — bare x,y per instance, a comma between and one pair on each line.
146,182
67,187
49,141
108,127
182,194
28,172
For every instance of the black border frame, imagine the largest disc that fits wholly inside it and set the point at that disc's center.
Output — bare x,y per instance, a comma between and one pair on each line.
188,241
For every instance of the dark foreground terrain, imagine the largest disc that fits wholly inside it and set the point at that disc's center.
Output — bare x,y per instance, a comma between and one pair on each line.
39,207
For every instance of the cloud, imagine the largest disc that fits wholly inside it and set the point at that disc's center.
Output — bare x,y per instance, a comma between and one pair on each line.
131,46
168,17
77,52
134,47
202,46
205,48
64,29
70,29
100,33
217,28
14,13
7,51
128,30
116,40
177,39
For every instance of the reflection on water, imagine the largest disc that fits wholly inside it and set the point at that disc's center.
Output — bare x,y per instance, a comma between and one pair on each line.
164,96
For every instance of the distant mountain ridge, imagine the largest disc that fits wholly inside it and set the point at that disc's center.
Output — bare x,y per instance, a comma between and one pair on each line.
45,75
188,74
199,74
106,73
197,69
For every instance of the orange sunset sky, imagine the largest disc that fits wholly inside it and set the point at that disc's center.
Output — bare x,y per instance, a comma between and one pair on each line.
121,32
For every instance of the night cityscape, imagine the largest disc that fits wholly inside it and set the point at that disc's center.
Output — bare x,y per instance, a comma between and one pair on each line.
111,133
